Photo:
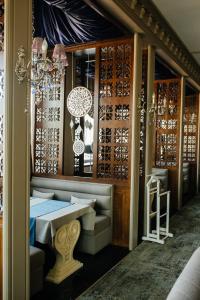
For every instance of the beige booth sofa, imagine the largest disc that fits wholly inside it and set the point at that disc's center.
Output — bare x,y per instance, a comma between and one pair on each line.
37,258
187,286
162,175
90,241
186,178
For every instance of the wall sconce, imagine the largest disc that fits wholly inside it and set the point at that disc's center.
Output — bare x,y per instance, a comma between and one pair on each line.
152,110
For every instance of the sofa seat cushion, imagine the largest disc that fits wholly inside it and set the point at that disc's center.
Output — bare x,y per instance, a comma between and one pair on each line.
101,223
187,286
37,258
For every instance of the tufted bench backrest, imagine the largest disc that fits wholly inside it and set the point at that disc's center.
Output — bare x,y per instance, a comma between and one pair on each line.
63,189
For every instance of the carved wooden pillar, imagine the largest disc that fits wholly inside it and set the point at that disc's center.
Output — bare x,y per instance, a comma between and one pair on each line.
149,122
135,143
18,20
68,154
180,163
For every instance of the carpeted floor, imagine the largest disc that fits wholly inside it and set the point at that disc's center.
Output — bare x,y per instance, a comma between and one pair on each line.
151,269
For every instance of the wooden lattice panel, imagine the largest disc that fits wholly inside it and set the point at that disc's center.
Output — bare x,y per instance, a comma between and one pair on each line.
190,129
114,131
48,131
167,123
143,107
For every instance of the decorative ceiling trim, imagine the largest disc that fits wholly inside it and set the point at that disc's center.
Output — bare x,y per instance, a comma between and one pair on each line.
145,14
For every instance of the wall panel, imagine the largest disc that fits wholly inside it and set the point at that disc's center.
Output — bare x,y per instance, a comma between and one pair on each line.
167,97
190,139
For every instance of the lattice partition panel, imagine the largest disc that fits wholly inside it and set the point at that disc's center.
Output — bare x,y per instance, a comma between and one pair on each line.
114,132
143,113
167,123
48,131
190,129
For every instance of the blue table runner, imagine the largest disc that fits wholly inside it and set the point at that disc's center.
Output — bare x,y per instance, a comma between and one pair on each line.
41,209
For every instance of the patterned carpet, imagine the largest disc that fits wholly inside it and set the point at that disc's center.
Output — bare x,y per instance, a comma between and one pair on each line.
151,269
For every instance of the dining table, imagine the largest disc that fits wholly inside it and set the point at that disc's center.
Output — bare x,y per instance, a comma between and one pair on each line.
59,227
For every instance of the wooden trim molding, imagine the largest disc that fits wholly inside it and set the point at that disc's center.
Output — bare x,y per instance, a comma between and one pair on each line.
149,123
135,142
143,16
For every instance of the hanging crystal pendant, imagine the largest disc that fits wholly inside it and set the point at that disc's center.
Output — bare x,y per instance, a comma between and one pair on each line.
78,147
79,129
88,125
71,124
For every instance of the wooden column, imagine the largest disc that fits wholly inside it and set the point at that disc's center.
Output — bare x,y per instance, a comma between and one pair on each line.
135,143
68,167
18,20
198,148
149,122
180,162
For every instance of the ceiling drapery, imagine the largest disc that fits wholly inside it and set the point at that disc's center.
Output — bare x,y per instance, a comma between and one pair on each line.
70,21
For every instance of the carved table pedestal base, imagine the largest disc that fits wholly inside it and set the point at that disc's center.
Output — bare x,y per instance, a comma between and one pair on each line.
65,241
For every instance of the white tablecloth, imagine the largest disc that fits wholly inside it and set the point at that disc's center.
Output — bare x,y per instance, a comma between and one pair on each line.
47,225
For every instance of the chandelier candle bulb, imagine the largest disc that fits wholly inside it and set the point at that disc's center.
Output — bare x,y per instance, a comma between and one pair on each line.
44,49
60,54
165,102
153,99
37,45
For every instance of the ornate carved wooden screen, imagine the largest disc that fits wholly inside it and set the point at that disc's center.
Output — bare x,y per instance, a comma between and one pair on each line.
143,113
114,130
48,129
167,130
167,127
112,153
190,129
190,139
143,107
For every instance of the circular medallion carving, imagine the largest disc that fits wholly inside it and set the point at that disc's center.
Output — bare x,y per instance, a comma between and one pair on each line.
78,147
79,101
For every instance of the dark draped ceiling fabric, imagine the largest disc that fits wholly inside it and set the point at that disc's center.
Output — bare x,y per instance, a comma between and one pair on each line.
71,22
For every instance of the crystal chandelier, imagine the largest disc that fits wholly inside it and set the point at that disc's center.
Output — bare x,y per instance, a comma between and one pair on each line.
42,67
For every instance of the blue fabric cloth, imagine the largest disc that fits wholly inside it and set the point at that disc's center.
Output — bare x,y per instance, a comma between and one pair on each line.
41,209
32,231
47,207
